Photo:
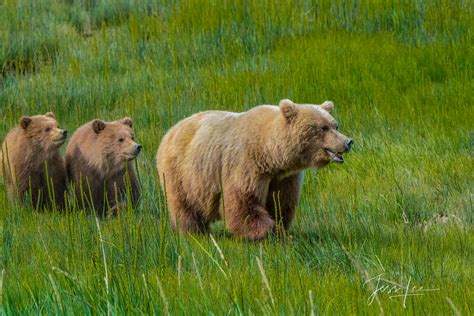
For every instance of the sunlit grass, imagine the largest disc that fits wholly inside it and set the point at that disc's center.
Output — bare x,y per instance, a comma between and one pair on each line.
401,206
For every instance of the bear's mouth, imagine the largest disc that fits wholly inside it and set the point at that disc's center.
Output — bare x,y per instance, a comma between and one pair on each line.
131,156
336,157
60,140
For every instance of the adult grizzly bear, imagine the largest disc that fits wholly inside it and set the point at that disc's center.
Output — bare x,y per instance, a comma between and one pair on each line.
99,165
31,161
243,159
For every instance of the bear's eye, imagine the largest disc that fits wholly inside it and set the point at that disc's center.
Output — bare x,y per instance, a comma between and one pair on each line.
325,128
121,140
48,129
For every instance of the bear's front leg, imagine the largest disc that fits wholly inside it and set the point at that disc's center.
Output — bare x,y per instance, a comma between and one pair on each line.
135,191
283,197
245,214
58,183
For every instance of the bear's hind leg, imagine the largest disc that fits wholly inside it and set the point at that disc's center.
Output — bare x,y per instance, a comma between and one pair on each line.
184,217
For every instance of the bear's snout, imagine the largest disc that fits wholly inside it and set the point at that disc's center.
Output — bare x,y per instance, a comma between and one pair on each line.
348,144
64,133
138,148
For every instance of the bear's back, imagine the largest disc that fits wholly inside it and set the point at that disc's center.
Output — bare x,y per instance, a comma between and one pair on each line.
221,122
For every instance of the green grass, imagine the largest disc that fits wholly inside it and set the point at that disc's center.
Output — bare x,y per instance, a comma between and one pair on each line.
400,74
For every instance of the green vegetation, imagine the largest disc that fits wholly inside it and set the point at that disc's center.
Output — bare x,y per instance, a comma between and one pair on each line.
400,74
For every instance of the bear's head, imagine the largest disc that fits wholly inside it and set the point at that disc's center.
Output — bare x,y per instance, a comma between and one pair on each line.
43,131
115,142
314,133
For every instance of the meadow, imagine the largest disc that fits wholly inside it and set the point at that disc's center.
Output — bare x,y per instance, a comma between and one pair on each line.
390,231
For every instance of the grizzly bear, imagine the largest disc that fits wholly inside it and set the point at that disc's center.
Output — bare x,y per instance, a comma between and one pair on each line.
31,161
234,166
99,165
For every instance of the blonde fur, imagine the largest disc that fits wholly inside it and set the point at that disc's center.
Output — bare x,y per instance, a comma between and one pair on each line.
226,165
30,160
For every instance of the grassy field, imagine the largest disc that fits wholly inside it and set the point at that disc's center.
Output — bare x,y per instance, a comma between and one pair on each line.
391,231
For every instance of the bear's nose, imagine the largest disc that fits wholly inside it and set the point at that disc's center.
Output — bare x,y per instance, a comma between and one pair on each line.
349,142
138,147
64,132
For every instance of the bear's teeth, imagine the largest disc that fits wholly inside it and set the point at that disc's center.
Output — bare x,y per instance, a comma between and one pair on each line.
338,159
335,157
330,153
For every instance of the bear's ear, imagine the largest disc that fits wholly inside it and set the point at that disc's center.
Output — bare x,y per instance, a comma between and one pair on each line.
328,106
50,114
127,121
288,109
98,125
25,121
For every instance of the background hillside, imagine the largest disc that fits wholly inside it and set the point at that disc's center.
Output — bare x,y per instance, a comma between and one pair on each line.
401,207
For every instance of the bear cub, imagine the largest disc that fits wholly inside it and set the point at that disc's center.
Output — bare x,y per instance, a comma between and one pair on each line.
99,164
31,162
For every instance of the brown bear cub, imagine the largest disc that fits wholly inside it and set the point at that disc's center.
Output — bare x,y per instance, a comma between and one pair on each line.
99,165
235,166
31,162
